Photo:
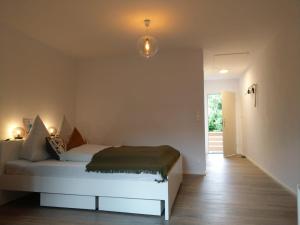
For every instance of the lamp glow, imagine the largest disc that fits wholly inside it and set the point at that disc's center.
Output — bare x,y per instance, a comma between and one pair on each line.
147,45
52,131
18,133
223,71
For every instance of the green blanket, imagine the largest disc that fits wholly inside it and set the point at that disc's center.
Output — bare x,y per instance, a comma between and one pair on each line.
137,159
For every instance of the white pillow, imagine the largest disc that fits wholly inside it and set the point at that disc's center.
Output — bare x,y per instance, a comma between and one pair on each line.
82,153
34,147
65,130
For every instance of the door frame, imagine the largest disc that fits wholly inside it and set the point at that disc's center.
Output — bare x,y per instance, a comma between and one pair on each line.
206,117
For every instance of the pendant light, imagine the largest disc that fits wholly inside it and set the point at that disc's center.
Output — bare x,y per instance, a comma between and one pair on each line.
147,45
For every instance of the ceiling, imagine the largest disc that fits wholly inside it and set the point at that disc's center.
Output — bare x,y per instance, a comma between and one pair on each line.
91,28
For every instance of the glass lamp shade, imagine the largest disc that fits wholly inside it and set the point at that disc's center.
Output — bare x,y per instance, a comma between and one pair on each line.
18,133
147,46
52,131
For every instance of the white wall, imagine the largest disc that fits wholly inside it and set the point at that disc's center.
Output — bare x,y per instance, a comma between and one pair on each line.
34,79
133,101
272,130
120,100
215,87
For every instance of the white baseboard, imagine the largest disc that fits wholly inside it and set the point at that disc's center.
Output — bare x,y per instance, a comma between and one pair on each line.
195,174
293,192
298,203
195,170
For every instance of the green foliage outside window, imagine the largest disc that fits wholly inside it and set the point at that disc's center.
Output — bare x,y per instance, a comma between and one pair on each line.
215,122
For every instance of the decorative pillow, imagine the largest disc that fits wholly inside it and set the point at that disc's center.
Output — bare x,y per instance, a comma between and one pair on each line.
34,147
65,130
76,139
55,147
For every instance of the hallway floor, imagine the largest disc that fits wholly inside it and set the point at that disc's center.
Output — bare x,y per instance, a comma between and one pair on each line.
234,192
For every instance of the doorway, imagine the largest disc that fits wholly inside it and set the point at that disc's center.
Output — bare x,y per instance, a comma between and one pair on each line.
215,124
222,117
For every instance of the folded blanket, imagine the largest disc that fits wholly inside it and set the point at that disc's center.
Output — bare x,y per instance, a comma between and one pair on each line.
137,159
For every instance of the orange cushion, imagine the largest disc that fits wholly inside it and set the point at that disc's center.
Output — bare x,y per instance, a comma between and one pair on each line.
75,140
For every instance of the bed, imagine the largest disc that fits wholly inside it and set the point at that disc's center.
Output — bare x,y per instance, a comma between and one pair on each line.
67,184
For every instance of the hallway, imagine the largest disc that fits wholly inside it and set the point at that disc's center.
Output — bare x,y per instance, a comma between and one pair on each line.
234,192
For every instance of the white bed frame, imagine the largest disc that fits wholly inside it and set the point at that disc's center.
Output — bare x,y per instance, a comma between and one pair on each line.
129,196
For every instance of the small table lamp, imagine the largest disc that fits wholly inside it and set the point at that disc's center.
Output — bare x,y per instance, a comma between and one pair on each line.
52,131
18,133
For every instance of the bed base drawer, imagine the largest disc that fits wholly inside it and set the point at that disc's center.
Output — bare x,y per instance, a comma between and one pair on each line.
68,201
127,205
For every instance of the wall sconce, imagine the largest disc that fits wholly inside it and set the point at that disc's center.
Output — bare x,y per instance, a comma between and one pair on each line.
252,91
18,133
52,131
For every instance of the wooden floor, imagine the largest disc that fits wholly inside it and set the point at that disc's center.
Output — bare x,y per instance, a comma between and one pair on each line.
234,192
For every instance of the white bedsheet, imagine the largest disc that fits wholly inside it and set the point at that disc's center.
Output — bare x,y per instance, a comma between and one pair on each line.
54,168
83,153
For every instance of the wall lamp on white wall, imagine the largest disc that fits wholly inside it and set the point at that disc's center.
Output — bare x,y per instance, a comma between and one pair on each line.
252,89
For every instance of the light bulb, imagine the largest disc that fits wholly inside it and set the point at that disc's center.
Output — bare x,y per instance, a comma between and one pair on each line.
147,45
52,131
18,133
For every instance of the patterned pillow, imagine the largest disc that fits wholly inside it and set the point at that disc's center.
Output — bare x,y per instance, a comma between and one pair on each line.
55,146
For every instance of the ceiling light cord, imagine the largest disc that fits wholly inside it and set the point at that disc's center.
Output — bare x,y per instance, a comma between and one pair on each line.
147,26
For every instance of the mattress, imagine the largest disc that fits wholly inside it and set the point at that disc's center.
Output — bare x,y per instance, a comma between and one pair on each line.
68,169
82,153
